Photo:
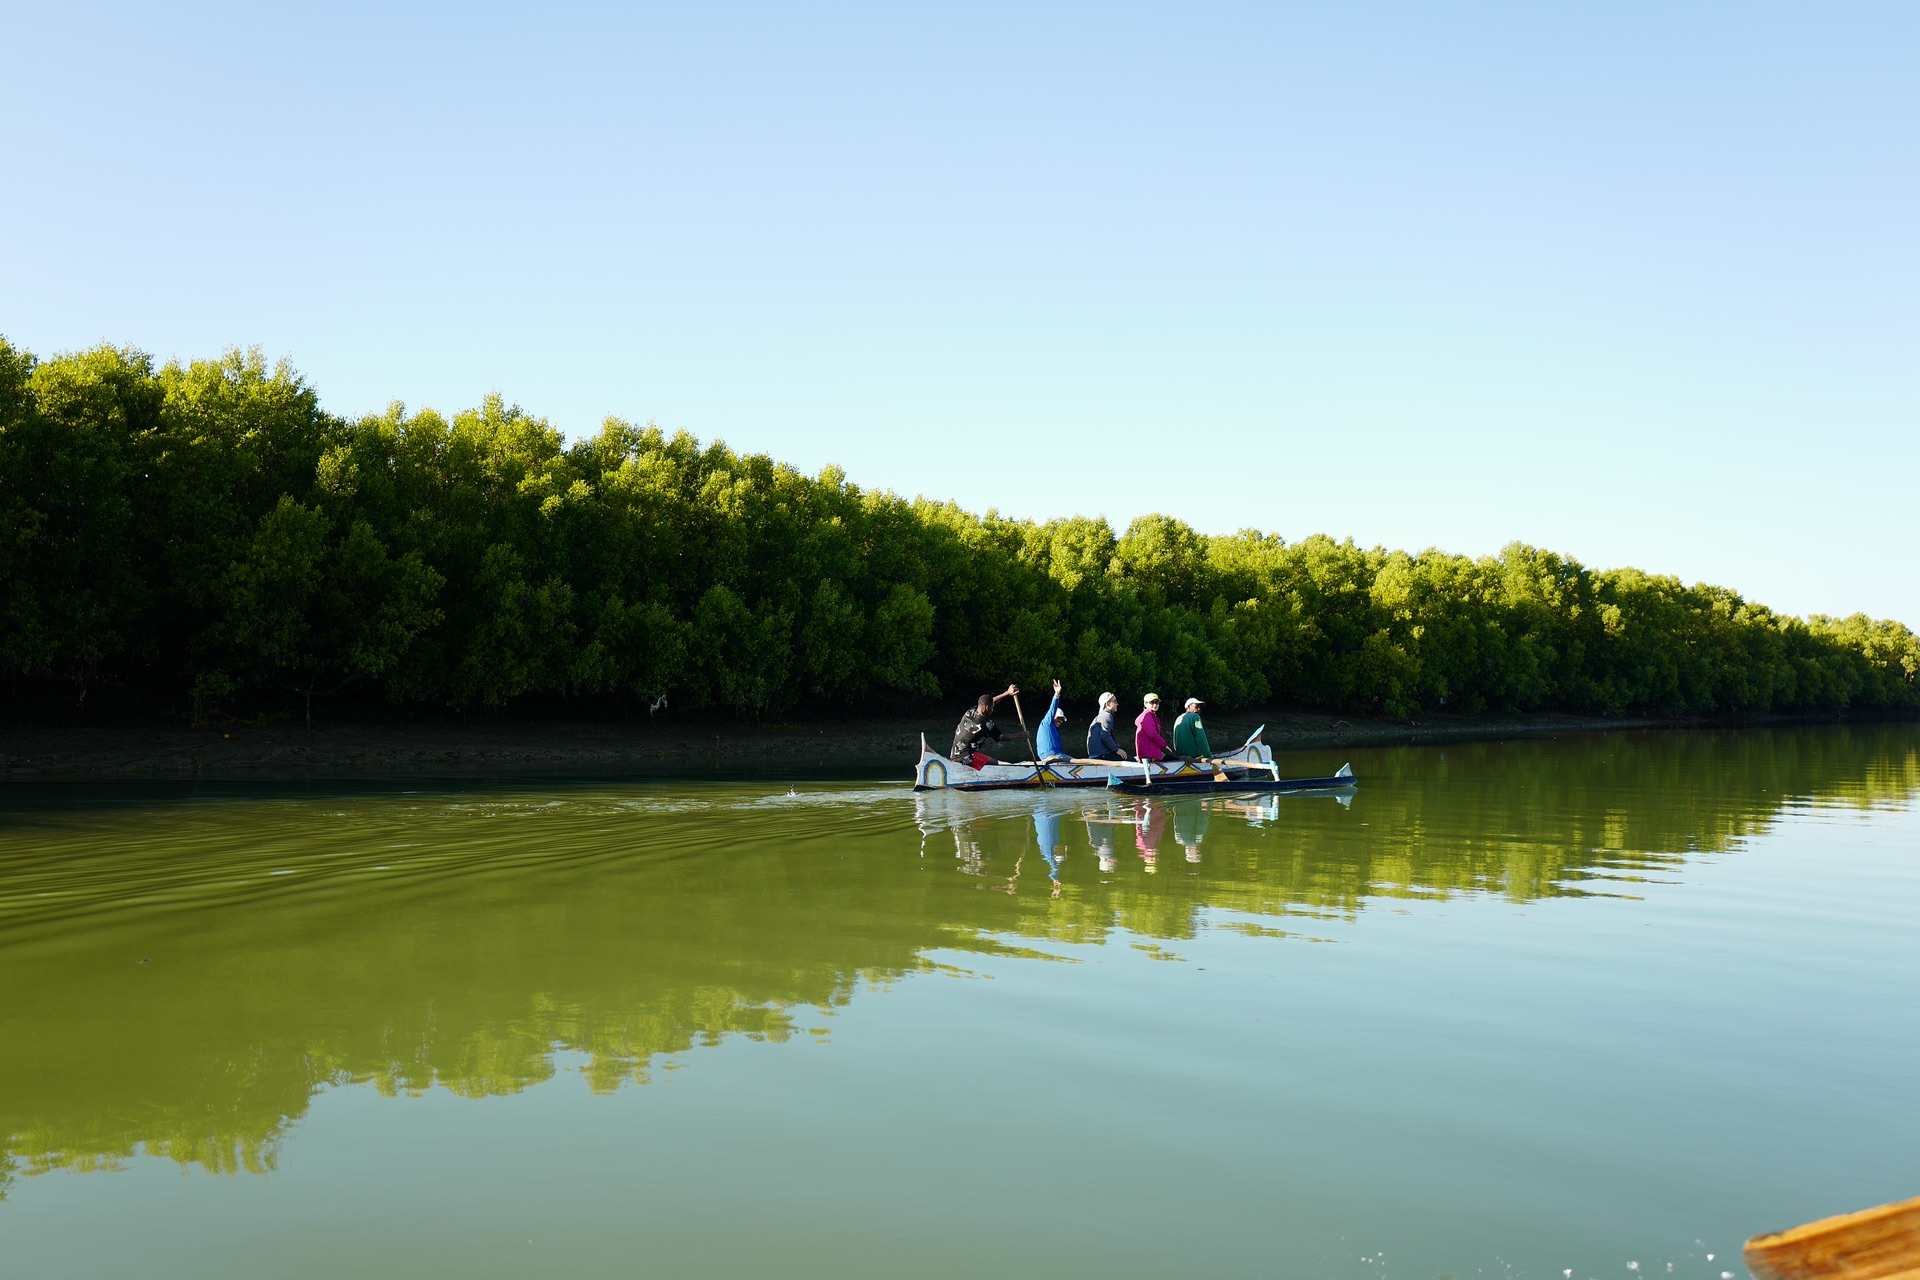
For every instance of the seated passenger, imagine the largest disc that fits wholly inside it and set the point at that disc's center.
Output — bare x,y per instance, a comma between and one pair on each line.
1149,743
976,726
1101,744
1046,739
1190,734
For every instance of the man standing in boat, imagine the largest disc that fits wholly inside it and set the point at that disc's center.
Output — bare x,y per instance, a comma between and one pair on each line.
976,726
1101,744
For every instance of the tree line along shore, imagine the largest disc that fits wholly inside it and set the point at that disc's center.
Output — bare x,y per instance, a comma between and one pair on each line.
203,540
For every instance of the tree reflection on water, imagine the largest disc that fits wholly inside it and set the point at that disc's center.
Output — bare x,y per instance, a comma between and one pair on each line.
182,978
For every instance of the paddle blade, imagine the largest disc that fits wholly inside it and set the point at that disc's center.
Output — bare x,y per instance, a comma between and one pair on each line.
1874,1244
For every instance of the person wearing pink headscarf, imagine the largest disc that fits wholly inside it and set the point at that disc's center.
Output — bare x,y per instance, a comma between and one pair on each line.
1149,743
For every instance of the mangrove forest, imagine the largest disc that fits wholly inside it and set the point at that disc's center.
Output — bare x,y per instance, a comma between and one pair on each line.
202,539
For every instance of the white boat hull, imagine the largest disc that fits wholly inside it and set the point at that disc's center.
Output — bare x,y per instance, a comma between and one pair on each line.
938,773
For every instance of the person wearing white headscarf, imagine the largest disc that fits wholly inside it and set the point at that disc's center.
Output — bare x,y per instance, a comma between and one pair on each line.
1101,744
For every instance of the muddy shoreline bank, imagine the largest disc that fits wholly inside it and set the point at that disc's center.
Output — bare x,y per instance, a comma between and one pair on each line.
863,748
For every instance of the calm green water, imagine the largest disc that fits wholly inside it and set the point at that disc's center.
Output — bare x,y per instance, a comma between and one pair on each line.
1519,1009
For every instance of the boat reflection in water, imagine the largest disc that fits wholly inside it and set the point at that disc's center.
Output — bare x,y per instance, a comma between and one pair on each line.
1111,821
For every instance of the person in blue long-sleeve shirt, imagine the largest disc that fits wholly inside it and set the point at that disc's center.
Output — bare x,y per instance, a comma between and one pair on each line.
1046,739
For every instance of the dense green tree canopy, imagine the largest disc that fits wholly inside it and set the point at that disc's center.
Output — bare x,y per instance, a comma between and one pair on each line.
207,536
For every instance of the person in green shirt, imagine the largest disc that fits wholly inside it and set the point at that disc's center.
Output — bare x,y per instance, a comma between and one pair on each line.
1190,734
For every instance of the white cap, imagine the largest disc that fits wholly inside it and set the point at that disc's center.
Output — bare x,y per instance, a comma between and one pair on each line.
1193,702
1103,699
1152,697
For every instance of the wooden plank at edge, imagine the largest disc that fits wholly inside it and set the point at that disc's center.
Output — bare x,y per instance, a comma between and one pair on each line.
1882,1243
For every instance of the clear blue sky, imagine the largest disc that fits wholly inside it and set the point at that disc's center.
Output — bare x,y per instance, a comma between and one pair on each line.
1637,282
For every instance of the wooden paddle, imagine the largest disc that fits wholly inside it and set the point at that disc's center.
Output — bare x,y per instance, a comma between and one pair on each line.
1873,1244
1033,748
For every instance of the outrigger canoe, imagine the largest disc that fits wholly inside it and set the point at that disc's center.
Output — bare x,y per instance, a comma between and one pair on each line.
937,773
1247,781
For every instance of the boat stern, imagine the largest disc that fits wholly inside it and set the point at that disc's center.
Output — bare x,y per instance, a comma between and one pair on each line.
1255,750
937,773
